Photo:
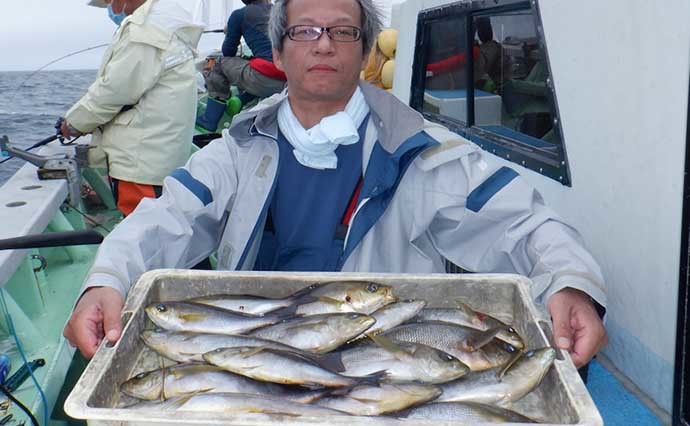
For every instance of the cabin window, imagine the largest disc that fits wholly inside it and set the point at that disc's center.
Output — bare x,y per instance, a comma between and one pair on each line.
481,68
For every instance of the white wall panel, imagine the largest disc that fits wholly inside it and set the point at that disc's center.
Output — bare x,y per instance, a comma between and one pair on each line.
621,71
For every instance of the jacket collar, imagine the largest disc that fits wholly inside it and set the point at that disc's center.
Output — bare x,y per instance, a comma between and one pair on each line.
139,15
394,121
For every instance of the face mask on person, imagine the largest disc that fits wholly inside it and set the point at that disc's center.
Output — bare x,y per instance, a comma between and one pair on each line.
116,17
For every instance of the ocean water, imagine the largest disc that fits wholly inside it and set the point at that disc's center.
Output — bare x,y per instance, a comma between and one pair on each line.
30,108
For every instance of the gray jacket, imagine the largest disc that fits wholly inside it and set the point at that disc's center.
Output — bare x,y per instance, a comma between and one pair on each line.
427,195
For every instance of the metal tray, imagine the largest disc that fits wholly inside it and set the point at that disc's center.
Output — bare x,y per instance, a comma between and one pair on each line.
562,397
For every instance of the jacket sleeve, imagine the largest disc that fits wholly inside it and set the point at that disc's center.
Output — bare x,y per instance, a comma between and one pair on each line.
131,71
233,34
177,230
504,226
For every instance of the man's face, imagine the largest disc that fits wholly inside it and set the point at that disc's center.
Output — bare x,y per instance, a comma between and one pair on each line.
321,70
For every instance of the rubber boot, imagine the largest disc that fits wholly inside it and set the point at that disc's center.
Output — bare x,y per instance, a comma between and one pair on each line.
214,112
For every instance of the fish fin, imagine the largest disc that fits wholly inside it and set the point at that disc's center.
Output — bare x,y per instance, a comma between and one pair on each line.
479,339
179,402
469,310
287,312
504,369
372,379
303,299
332,361
390,345
462,305
339,391
305,291
255,350
330,300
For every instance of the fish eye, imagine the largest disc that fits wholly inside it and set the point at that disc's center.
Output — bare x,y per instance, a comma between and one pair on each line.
161,307
529,354
353,315
447,357
511,330
348,298
141,375
372,288
509,348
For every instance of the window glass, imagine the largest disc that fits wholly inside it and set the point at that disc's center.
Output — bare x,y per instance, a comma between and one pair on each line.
445,70
491,55
511,95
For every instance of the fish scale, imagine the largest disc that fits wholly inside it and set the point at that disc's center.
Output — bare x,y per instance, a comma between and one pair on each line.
184,346
317,333
196,317
465,413
486,387
451,338
407,362
183,379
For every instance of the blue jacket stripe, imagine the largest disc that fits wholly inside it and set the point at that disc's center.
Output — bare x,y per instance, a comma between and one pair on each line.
384,173
483,193
197,188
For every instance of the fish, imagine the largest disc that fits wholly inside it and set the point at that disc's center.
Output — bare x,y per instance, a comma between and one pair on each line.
276,366
393,315
466,413
342,296
236,403
370,400
317,333
182,379
188,347
455,340
464,315
400,361
199,318
485,387
247,304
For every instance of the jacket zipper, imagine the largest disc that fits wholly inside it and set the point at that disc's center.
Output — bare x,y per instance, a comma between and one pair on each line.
252,236
352,221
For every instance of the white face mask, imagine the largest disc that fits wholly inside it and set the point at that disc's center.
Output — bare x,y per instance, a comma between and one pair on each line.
316,147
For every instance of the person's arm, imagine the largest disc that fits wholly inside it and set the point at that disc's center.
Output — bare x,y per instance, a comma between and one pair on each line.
505,227
132,70
233,33
177,230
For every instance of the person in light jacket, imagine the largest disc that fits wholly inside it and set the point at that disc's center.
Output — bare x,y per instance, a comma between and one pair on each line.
142,106
337,175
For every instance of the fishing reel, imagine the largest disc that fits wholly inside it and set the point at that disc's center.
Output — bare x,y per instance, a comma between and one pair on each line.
65,165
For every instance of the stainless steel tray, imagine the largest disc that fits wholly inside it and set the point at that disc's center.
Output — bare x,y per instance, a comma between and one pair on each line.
562,397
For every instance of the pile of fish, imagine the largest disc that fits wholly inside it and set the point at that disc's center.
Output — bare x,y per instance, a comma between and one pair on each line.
337,348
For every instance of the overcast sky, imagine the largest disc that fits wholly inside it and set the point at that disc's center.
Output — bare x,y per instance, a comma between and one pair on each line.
35,32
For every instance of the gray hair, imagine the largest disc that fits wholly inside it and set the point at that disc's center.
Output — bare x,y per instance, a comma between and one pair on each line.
371,23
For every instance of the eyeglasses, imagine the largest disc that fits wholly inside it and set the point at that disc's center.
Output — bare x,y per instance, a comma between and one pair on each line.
344,33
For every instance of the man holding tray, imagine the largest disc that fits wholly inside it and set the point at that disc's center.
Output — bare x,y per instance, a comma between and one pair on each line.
336,175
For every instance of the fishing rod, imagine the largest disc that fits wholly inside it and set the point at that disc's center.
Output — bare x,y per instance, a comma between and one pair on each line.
51,63
16,90
47,140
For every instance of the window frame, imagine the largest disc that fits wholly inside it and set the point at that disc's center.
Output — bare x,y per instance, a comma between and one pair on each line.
548,162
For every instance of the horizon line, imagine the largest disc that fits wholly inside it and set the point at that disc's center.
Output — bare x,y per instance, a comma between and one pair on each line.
49,70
